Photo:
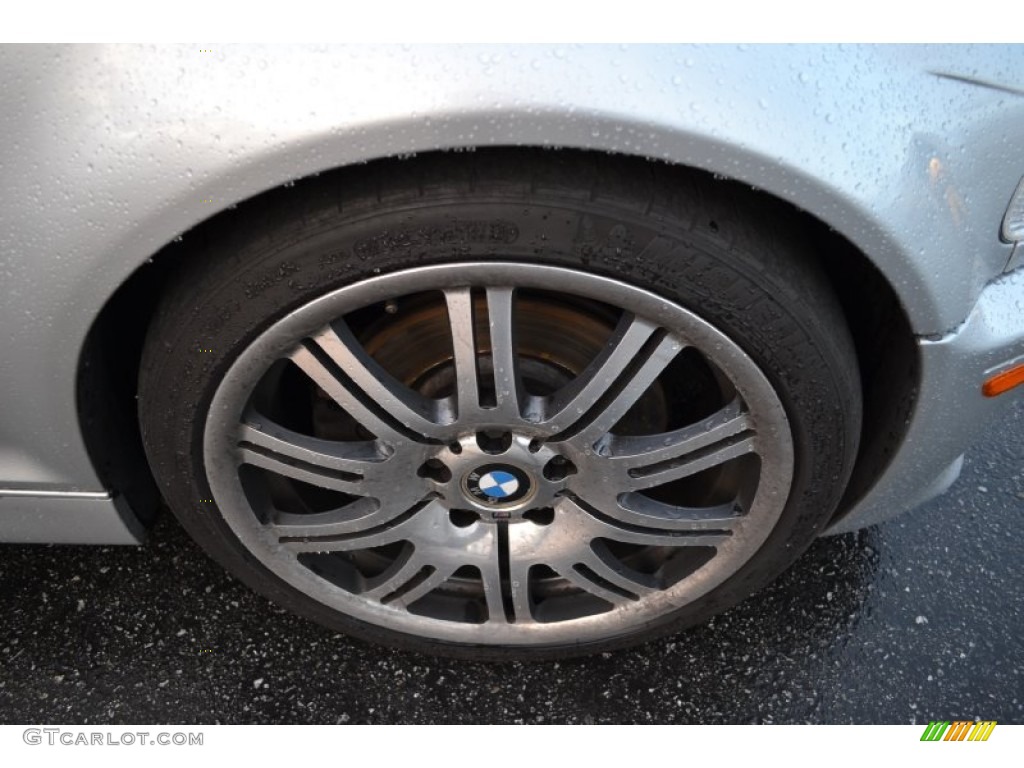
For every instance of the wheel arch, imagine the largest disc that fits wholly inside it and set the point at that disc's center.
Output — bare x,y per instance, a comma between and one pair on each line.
109,363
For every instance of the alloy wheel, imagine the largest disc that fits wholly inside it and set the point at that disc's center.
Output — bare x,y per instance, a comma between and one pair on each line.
498,453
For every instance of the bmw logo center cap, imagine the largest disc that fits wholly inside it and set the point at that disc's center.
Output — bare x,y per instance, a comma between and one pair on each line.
497,484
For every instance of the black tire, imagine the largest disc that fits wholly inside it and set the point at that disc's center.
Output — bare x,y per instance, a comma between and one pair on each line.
731,257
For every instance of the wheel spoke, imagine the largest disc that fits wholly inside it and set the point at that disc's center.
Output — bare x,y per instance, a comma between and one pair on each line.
491,577
589,526
335,536
682,467
602,564
410,575
340,466
662,354
637,509
507,382
519,587
415,412
587,584
428,584
630,452
464,345
345,394
637,462
357,515
343,482
399,573
567,406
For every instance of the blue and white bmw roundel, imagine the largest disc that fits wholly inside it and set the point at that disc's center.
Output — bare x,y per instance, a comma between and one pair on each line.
499,484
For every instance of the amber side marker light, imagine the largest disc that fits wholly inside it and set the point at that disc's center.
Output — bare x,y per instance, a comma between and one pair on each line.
1003,382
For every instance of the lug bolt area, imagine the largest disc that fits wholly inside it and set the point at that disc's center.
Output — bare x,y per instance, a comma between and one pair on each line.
558,468
494,442
434,469
462,518
541,516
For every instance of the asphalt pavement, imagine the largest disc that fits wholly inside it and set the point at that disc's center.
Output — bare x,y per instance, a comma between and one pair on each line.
917,619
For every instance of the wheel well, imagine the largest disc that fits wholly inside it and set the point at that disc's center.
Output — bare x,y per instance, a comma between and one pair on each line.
109,364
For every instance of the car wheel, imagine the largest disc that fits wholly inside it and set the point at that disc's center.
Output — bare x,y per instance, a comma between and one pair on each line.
503,404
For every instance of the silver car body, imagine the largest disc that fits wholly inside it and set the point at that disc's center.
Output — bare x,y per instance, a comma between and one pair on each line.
109,153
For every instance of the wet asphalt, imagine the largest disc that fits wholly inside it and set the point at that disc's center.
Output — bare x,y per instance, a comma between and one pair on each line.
917,619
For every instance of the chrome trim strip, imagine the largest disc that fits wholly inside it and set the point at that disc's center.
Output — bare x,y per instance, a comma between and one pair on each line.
55,494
